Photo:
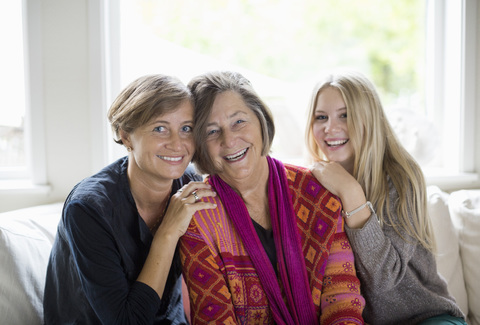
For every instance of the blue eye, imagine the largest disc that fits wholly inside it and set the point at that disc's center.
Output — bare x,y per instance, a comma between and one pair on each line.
187,128
212,132
320,117
159,129
239,121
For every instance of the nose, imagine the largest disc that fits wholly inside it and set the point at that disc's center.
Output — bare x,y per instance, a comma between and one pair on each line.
175,142
228,138
331,126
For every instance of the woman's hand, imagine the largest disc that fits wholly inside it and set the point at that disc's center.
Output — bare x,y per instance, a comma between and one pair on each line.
334,177
183,206
342,184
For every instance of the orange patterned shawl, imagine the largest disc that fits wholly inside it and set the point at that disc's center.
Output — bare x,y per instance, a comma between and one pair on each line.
225,287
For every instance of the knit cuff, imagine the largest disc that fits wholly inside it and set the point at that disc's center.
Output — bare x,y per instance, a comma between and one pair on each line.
367,238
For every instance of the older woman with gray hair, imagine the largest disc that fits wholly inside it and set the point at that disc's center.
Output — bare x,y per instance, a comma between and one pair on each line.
273,251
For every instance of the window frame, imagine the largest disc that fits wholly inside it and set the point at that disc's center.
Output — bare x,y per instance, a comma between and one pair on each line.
34,171
451,88
454,26
104,33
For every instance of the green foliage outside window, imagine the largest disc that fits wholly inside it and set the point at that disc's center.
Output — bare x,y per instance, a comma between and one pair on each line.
295,40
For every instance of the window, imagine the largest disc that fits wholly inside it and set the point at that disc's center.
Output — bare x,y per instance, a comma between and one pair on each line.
283,47
22,141
13,161
450,91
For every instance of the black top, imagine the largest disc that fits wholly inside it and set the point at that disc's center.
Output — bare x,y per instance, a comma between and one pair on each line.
99,251
268,243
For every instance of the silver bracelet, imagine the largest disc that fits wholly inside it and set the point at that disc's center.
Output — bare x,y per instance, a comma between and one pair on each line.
351,213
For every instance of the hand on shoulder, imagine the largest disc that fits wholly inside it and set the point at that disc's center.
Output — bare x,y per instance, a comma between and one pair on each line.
183,206
334,177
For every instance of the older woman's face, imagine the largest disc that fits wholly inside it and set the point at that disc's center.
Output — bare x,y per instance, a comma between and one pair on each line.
164,146
234,138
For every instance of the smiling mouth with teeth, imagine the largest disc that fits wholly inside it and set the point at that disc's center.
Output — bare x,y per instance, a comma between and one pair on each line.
170,158
237,155
336,143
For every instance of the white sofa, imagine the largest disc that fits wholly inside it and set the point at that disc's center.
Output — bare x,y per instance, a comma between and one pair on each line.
456,222
26,237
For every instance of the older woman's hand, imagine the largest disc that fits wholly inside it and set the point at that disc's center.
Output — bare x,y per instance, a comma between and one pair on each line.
183,206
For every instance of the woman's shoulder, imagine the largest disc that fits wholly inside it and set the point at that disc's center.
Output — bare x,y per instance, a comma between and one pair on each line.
296,174
303,179
306,188
109,180
296,168
211,218
103,191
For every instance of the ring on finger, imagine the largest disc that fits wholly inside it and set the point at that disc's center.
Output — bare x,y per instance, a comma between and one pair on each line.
194,193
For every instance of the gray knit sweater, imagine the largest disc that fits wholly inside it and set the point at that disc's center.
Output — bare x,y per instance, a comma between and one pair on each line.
399,279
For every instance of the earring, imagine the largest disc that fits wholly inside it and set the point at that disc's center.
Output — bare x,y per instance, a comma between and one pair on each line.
129,149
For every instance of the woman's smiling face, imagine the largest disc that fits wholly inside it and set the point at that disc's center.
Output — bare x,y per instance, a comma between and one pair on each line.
234,138
163,147
330,128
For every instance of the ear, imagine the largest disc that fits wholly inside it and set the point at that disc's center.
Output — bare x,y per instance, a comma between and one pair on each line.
125,138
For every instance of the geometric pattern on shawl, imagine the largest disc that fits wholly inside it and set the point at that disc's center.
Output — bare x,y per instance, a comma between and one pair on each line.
224,286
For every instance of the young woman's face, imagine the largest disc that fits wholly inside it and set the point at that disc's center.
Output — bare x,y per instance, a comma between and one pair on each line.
163,147
330,128
234,138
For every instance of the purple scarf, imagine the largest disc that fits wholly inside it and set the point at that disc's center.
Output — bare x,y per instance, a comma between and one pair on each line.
291,262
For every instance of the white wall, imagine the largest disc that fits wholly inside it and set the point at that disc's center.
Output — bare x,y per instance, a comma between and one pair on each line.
74,135
477,101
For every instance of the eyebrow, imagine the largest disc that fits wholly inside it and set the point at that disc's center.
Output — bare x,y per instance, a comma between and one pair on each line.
337,109
166,122
228,117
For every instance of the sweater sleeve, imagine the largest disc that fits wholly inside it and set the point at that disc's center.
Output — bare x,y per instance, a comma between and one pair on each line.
341,301
114,299
210,298
381,254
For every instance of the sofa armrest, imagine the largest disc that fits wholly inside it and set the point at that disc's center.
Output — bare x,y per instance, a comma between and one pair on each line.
26,238
464,208
448,258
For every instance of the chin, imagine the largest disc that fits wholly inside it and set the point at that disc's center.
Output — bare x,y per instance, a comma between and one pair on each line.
176,171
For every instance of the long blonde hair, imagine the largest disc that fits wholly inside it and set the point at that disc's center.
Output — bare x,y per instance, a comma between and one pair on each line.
378,156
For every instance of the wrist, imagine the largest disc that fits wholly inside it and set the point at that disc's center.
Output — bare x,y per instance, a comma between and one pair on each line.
367,204
167,235
351,193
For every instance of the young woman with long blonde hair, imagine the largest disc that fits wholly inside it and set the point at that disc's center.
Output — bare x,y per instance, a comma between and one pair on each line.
358,157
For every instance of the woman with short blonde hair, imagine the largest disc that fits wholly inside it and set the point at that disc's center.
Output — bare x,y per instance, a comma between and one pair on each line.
115,257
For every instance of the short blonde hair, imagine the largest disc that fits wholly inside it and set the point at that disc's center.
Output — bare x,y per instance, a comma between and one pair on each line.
143,99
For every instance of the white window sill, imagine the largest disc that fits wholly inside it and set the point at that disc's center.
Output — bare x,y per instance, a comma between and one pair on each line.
24,186
451,182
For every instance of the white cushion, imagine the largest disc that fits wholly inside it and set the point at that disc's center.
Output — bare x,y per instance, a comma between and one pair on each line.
448,259
26,238
465,210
